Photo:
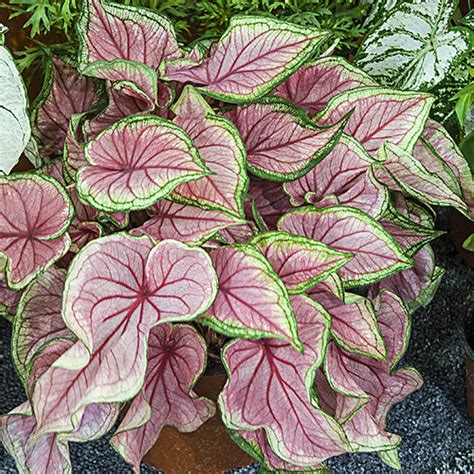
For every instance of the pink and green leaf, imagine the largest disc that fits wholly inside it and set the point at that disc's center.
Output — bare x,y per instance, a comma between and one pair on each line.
135,79
313,85
297,430
135,162
35,213
221,149
187,224
253,56
418,285
269,200
281,144
345,174
354,323
252,301
379,115
299,262
399,170
109,31
117,289
376,254
176,359
38,319
66,93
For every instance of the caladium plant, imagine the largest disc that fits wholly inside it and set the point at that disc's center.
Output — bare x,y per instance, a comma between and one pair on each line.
242,200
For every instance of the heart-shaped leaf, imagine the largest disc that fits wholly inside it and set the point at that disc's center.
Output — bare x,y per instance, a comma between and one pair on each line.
187,224
253,56
64,94
410,235
223,152
379,115
135,162
176,359
401,171
120,105
345,174
439,154
395,324
38,319
117,288
354,376
412,47
252,301
376,254
281,145
145,36
14,123
50,452
300,262
354,323
418,285
133,79
313,85
297,430
36,237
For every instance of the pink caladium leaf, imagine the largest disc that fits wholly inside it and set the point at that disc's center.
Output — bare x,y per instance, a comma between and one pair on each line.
50,452
378,115
354,323
73,150
377,255
117,289
120,105
133,79
395,324
135,162
339,406
176,359
281,144
36,237
438,151
418,285
350,374
252,301
83,227
313,85
300,262
401,171
413,210
256,444
109,31
223,152
298,431
38,319
253,56
345,173
238,234
410,235
187,224
269,200
65,93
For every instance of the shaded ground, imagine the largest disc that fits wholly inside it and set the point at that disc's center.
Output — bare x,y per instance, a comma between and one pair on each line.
437,434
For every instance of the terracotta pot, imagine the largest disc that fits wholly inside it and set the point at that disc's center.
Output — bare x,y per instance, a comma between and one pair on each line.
468,340
208,450
460,228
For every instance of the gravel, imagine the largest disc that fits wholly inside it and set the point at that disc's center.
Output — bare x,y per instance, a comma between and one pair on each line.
438,436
